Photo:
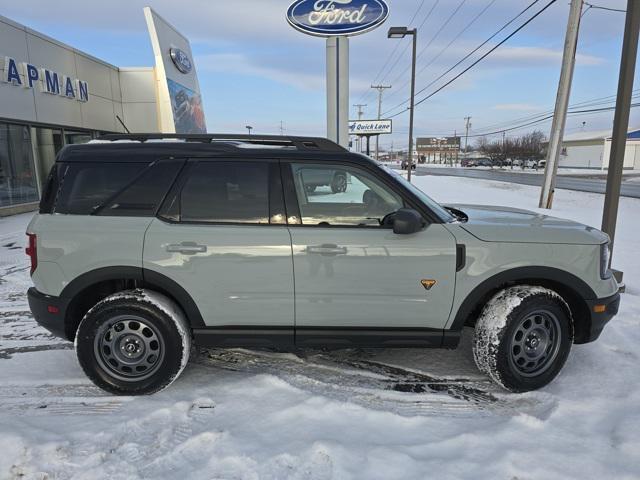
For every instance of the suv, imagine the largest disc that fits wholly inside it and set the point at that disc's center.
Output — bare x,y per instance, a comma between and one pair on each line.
145,244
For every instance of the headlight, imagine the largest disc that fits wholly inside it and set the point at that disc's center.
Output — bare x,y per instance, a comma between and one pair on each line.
605,255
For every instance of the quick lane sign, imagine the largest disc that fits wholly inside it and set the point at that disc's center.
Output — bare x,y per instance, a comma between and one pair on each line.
28,76
370,127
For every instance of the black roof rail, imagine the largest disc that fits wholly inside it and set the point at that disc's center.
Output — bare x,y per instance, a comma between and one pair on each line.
301,143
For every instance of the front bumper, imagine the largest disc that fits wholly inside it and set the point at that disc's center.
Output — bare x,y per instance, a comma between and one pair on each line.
609,308
48,311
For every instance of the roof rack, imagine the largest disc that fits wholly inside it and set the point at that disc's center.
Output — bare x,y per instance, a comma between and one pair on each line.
300,143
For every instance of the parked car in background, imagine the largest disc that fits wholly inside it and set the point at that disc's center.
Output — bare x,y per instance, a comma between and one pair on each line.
542,164
468,162
484,162
531,163
405,165
518,162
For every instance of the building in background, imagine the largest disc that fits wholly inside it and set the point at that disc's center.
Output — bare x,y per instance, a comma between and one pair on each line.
592,150
52,95
438,149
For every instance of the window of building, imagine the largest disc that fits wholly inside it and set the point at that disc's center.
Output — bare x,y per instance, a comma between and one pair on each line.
226,192
17,175
48,142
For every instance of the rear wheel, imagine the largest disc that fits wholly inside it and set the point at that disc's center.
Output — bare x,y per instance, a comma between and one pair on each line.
523,337
134,342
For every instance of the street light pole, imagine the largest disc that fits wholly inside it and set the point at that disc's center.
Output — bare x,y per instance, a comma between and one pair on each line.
249,128
413,98
401,32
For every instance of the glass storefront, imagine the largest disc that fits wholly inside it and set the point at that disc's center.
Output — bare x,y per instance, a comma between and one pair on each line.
17,174
48,143
27,154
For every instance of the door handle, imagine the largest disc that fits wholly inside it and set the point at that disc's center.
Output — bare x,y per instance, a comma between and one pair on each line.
326,249
187,248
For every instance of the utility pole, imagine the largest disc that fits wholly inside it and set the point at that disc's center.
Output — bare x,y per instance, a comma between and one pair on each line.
380,88
281,127
504,149
467,126
360,107
621,119
562,104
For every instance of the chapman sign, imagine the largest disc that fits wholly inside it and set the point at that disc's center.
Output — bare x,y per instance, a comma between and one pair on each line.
26,75
370,127
330,18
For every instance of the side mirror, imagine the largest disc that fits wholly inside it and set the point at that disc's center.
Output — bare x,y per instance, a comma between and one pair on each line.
406,221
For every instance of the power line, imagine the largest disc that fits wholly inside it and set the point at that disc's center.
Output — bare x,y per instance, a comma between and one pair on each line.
541,120
586,103
599,7
463,59
408,44
458,35
395,48
438,32
493,49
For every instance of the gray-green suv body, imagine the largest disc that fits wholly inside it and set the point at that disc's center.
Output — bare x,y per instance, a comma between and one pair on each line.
144,244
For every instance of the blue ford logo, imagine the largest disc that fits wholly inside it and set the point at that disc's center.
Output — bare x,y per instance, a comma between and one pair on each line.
180,60
329,18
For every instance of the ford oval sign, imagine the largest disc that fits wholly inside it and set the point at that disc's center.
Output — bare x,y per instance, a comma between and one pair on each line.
180,60
328,18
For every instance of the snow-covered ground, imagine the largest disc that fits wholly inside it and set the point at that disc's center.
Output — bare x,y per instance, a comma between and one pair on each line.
409,414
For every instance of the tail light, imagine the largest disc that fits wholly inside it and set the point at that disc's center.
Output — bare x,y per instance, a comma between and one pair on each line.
32,251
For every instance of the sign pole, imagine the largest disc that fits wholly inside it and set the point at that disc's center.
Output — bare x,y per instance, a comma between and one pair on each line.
338,90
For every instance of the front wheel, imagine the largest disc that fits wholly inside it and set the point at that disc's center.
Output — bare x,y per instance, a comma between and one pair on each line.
523,337
134,342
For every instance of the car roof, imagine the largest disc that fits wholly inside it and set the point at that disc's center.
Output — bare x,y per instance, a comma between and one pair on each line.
135,147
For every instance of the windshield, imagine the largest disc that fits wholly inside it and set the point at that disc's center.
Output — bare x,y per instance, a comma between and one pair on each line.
438,209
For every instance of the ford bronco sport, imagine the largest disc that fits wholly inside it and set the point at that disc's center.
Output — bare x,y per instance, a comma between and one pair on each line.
146,243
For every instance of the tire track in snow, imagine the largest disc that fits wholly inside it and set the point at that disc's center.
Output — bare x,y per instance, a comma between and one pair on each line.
371,384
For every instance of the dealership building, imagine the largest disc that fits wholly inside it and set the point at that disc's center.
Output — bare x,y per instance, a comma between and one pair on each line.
52,95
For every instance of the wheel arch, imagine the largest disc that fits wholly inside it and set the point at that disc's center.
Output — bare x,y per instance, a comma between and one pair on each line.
89,288
572,289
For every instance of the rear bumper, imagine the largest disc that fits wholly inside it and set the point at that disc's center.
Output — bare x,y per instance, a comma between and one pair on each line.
43,307
599,319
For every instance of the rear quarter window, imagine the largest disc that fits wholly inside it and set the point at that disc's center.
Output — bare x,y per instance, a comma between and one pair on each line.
115,189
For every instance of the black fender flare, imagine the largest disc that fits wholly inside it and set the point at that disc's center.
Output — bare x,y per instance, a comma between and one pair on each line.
554,276
147,278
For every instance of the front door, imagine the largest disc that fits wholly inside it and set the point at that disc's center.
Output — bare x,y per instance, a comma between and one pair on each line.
356,281
224,240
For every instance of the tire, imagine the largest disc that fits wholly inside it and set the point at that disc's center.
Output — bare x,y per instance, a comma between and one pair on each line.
134,342
339,183
523,337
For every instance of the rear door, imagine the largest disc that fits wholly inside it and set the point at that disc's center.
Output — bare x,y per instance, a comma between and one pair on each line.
222,236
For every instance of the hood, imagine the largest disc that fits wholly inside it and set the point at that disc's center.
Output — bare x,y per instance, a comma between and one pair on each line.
505,224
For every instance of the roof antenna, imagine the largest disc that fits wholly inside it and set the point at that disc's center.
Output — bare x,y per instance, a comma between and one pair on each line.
122,123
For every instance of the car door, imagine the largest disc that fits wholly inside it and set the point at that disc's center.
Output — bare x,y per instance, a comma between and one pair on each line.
222,236
356,281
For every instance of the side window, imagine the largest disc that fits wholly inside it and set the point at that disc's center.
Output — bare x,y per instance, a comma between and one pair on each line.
226,192
86,186
143,196
342,195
